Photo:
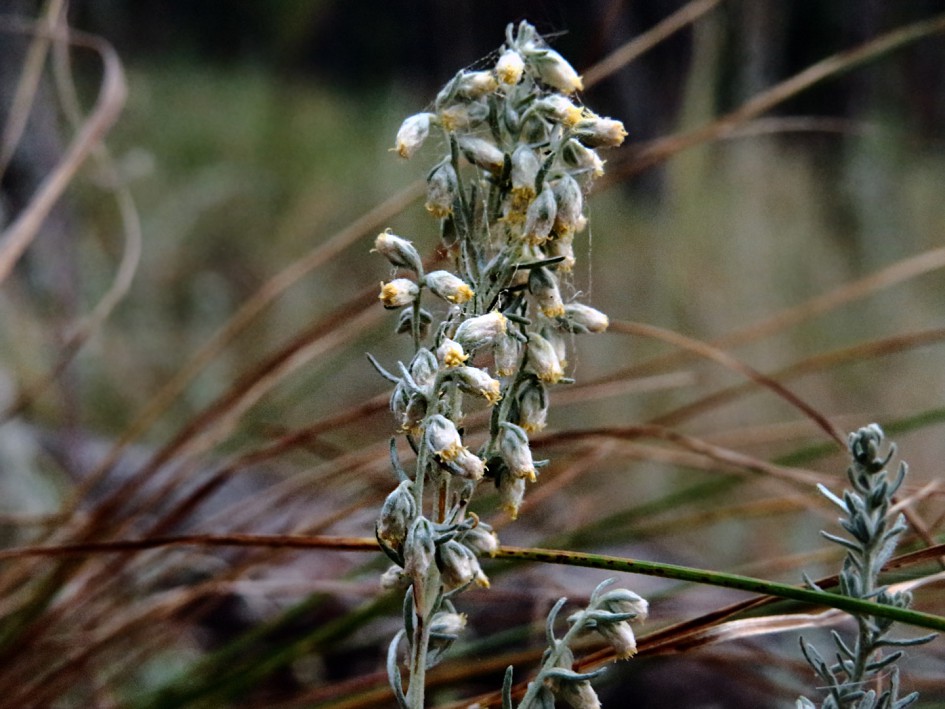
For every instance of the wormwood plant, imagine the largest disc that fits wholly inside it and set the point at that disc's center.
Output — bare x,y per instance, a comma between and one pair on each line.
519,157
856,679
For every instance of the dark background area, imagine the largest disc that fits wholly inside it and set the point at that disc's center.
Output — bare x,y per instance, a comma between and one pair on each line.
365,45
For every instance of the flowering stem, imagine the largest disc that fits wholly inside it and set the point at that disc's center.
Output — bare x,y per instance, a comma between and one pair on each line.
418,661
503,127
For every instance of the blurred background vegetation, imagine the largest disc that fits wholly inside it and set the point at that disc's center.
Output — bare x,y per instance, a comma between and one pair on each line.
254,131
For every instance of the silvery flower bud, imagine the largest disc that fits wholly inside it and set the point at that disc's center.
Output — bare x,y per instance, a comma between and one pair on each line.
597,132
621,638
864,445
442,438
398,399
480,330
510,67
578,693
540,217
584,318
544,286
482,153
419,549
448,286
554,70
441,190
582,158
414,413
394,579
562,245
559,341
511,119
543,360
507,355
446,623
622,600
481,539
463,116
419,560
413,131
450,353
459,566
423,369
511,494
535,130
560,109
513,447
570,202
398,251
467,465
473,380
409,407
397,515
474,84
532,406
398,292
525,167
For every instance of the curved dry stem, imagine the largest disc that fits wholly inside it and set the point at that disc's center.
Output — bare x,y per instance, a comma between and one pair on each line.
28,84
80,332
17,237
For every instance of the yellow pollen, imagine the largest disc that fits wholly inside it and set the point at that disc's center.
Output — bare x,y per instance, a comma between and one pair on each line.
463,293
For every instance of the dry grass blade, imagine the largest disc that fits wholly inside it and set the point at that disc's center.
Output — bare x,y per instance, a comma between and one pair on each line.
619,58
715,354
661,149
270,291
26,87
79,333
892,275
17,237
132,546
737,461
826,360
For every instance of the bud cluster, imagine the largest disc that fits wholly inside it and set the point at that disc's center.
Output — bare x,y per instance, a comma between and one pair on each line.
519,154
519,157
609,615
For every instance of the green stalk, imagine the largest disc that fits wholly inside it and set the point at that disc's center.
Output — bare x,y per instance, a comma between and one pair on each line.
855,606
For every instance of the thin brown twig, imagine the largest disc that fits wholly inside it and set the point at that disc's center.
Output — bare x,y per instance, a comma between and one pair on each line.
125,546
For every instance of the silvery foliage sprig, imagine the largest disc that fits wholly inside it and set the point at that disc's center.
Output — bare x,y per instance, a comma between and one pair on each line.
609,614
875,534
508,191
